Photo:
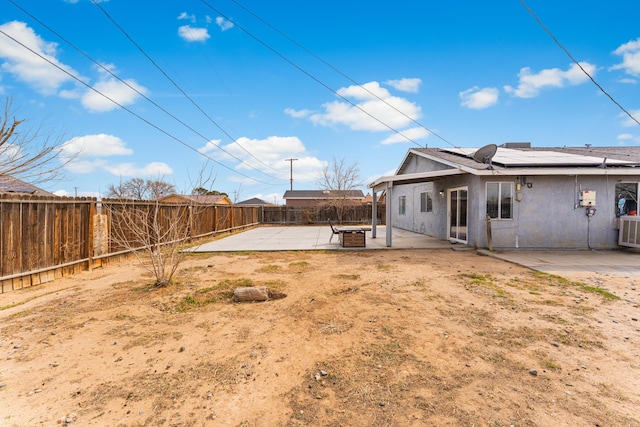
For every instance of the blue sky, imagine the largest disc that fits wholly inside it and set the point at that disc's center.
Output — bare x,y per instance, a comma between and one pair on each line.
242,85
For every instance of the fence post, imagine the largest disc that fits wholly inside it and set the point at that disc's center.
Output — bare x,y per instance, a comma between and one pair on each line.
90,231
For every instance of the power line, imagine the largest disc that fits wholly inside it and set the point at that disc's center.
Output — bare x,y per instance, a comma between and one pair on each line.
342,74
128,110
133,88
308,74
576,62
126,34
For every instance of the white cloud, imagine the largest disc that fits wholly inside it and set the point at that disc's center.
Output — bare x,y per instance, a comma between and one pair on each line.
630,53
98,145
406,85
297,114
271,152
88,154
374,109
27,66
114,89
9,151
625,138
193,34
477,99
130,169
84,166
627,121
530,84
185,15
224,24
413,134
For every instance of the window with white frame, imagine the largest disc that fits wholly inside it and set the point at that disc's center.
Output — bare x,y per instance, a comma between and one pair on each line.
500,200
426,202
402,205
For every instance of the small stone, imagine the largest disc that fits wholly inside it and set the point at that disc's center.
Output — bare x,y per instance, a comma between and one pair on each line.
53,364
323,373
17,346
119,359
533,372
583,367
568,393
555,344
38,390
615,321
2,385
381,403
68,420
635,319
467,365
181,349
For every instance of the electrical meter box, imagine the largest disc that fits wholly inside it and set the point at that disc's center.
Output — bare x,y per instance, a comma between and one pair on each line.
588,198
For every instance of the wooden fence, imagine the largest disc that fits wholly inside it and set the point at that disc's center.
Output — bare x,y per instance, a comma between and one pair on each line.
360,214
42,239
37,233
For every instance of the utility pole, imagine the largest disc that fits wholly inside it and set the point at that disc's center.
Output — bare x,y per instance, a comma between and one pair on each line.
290,171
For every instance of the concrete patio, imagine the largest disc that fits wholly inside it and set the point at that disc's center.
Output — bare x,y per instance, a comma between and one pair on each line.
313,238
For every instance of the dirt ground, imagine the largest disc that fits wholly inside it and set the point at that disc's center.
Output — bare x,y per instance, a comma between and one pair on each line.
362,338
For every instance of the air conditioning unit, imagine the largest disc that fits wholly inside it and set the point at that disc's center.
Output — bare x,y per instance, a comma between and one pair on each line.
629,231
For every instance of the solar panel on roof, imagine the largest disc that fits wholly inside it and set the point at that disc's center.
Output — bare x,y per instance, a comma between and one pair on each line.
511,158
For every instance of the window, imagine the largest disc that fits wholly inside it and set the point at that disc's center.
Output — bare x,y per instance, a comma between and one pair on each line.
426,202
626,198
402,205
500,200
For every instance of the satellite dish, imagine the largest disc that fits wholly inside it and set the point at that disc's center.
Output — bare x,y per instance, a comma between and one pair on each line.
485,154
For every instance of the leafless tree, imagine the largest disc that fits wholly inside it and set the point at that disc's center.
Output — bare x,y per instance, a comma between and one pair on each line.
140,189
339,179
30,154
156,233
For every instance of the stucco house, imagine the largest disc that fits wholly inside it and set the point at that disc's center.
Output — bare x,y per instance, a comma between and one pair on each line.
313,198
517,197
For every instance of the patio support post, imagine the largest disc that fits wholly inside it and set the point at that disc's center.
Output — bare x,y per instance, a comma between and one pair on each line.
389,208
374,213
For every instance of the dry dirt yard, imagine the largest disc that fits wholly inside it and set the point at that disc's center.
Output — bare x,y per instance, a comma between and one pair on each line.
362,338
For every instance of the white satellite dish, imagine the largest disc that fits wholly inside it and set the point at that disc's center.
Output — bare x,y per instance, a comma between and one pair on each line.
485,154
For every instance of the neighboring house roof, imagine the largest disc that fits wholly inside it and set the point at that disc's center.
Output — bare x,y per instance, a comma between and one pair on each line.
517,161
254,201
9,184
323,194
208,199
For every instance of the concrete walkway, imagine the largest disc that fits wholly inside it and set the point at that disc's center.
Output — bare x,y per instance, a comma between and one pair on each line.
614,263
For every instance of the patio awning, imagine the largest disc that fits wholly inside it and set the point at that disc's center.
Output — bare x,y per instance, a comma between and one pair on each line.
412,178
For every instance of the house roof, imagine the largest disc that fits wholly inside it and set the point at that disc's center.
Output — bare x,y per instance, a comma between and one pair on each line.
516,161
254,201
204,199
9,184
323,194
